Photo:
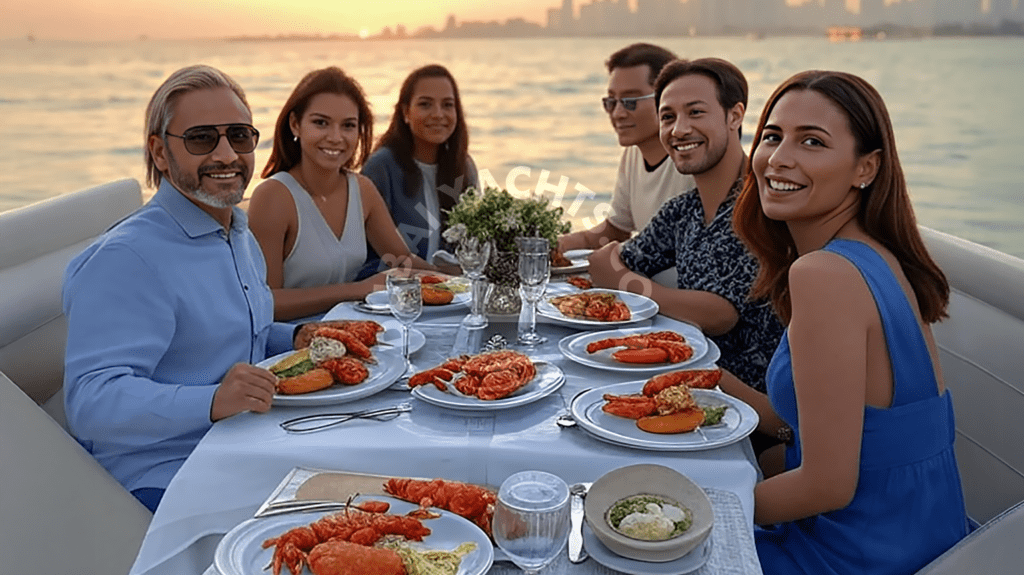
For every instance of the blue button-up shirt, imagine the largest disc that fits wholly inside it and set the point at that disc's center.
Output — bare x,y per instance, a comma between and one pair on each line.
158,309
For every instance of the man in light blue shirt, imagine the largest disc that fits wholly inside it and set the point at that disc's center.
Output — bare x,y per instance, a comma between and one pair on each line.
169,309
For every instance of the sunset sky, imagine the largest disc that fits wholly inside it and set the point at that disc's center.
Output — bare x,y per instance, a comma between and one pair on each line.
126,19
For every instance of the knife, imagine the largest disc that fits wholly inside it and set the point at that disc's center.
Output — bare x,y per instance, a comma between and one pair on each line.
576,494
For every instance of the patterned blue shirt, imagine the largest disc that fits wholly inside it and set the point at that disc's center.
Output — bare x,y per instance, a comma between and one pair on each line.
712,259
158,309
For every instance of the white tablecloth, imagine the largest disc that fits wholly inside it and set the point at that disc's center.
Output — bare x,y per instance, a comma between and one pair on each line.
243,458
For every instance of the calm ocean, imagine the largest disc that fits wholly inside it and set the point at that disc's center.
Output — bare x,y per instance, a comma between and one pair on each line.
71,114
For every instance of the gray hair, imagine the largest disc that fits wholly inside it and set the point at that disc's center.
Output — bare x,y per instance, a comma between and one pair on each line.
161,106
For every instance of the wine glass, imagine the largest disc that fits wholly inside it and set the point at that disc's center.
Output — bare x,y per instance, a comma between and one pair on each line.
534,271
473,255
531,519
405,299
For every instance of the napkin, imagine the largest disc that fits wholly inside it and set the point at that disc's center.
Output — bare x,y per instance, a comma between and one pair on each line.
443,257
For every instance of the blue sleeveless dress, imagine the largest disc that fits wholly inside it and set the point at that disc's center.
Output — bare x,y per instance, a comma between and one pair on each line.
908,507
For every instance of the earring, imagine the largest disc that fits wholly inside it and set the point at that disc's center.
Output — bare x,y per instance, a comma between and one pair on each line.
296,139
863,185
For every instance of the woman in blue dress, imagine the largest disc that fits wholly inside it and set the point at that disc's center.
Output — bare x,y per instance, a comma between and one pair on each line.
868,483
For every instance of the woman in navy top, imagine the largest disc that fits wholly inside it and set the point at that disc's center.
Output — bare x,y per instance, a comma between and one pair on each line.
421,164
869,481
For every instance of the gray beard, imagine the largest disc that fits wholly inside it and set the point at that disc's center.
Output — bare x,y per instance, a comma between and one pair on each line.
190,186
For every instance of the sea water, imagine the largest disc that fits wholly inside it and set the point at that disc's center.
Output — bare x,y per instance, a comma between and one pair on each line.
71,114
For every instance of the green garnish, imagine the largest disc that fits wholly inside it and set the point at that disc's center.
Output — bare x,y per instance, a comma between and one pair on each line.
430,561
714,415
297,369
638,504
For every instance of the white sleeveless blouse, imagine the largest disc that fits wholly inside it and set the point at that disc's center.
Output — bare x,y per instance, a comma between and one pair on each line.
318,256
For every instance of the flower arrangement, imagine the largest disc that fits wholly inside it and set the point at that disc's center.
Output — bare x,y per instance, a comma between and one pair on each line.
496,216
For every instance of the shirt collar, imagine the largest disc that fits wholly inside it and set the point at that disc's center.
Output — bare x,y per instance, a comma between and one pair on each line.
193,220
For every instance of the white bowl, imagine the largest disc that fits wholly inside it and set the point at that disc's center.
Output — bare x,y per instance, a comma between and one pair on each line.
653,480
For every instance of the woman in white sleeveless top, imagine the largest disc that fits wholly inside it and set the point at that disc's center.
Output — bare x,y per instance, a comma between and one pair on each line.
314,216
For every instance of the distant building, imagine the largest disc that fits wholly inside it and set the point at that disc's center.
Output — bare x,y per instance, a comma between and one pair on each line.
873,12
606,17
562,19
957,11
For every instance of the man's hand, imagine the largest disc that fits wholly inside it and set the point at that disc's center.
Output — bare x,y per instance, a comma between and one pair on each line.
244,388
605,266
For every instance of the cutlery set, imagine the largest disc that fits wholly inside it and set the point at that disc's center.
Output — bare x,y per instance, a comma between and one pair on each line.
321,421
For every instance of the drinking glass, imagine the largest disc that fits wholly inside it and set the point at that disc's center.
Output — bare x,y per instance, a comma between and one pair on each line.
405,299
531,519
534,271
473,255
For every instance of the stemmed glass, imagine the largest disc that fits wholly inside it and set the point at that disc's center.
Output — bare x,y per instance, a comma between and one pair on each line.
534,271
531,519
473,255
405,299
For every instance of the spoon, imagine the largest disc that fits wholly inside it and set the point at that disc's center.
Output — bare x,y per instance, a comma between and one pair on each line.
565,420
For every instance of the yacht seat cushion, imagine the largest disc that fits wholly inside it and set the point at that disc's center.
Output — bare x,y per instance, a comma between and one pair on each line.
62,512
994,549
979,347
38,241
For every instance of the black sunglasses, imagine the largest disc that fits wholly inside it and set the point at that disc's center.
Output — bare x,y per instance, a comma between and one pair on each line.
628,103
202,140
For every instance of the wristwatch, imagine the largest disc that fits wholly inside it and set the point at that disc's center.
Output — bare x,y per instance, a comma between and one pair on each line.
784,434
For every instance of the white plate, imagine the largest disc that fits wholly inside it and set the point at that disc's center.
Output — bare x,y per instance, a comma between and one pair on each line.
380,298
579,260
739,421
686,564
393,337
640,307
548,379
574,347
387,370
240,552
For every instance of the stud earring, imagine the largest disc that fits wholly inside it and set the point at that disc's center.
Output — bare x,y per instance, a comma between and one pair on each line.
863,185
296,139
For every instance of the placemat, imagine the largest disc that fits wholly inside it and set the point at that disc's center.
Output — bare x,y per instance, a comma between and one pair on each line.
732,551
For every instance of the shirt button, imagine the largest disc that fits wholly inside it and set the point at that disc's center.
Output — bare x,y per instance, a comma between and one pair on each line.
245,287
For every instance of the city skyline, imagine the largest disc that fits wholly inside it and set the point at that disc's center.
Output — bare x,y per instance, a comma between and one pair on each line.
758,17
480,18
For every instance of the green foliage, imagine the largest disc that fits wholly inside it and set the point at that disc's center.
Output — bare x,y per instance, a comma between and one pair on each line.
495,215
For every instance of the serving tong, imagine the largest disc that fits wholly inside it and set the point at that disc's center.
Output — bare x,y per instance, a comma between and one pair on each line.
321,421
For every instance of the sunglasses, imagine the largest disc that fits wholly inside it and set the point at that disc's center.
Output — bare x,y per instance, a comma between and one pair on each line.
202,140
628,103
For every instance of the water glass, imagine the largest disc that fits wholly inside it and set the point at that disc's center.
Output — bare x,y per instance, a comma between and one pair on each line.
531,519
473,255
405,298
534,272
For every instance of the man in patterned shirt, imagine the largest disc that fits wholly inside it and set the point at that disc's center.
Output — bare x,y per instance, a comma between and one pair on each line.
701,104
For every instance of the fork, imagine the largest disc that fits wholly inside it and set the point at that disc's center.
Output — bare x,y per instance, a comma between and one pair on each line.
321,421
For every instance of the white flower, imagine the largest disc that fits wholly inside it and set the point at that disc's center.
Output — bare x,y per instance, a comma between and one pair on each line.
509,222
455,233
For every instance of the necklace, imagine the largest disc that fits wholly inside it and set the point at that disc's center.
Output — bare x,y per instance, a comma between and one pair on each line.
322,197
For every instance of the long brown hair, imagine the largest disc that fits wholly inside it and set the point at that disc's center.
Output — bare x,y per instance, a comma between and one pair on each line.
452,156
287,151
885,211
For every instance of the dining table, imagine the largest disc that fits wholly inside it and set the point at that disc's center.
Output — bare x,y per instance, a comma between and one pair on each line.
243,459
